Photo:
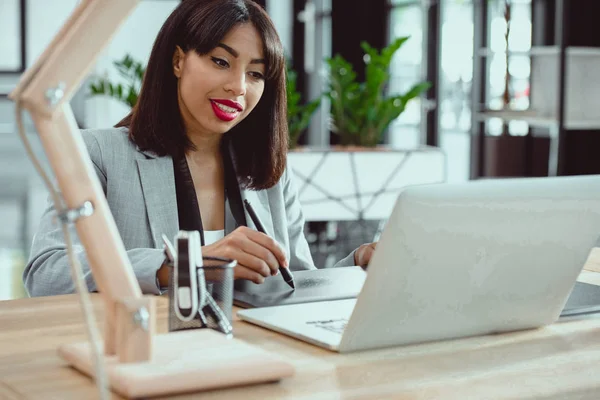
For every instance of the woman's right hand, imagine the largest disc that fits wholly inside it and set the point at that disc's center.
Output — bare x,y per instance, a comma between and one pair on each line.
258,255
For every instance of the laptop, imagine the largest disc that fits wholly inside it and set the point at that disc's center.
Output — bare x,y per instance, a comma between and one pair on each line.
457,260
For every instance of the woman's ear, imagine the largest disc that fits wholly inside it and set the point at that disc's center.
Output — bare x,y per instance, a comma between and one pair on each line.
178,57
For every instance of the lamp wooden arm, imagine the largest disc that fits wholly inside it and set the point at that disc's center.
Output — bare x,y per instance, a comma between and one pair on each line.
45,90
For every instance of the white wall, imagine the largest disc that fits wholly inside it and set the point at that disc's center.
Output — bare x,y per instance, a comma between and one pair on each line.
44,19
135,37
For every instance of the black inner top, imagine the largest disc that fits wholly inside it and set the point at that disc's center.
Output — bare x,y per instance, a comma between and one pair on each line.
188,210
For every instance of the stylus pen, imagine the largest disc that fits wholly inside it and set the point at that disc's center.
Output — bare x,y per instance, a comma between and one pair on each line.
285,272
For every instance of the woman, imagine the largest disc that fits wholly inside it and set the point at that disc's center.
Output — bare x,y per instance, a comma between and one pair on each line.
208,131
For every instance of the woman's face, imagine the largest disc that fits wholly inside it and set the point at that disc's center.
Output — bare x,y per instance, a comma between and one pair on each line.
218,90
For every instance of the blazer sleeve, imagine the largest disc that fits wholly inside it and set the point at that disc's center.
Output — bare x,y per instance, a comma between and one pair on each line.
348,261
48,271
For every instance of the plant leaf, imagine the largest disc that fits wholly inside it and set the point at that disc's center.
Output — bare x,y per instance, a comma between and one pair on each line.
416,91
362,111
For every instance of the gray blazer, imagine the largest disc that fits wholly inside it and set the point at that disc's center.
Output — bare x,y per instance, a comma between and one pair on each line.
140,189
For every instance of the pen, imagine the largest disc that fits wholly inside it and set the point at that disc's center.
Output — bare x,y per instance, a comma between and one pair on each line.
285,272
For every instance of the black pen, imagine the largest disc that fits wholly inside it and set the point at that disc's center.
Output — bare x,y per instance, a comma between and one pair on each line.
285,272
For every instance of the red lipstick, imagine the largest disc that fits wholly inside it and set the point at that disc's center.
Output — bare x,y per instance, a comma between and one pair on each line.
226,110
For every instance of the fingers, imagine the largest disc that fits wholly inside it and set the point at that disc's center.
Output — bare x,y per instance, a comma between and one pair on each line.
268,243
368,254
243,272
259,256
253,263
364,254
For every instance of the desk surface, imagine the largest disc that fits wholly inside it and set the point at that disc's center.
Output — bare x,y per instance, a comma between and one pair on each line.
555,362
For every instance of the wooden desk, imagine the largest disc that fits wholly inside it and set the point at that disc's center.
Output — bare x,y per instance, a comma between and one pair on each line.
556,362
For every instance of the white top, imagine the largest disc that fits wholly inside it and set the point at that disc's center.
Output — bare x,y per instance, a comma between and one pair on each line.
212,236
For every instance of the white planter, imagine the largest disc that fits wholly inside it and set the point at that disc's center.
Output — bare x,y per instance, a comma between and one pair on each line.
336,185
12,264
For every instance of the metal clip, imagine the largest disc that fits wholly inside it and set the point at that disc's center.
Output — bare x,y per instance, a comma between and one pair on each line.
72,215
55,94
141,318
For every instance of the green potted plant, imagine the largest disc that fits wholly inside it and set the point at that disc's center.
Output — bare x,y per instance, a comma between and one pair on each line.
362,111
357,181
132,72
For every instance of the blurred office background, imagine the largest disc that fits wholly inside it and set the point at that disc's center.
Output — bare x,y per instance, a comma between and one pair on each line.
514,88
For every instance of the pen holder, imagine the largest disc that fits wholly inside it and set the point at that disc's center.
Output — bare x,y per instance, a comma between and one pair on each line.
217,274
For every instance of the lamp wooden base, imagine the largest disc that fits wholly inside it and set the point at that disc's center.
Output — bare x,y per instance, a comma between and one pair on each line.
185,361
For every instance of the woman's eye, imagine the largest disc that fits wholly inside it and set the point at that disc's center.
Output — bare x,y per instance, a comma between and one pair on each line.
257,75
220,62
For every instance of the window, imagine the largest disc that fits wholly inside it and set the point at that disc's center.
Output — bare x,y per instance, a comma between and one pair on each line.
316,17
509,71
406,19
456,77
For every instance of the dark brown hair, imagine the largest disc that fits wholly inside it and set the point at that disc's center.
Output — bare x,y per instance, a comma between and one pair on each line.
259,141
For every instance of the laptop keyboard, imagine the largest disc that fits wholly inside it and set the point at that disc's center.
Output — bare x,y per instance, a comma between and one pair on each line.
331,325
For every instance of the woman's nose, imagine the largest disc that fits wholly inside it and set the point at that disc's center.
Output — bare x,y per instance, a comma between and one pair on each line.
236,84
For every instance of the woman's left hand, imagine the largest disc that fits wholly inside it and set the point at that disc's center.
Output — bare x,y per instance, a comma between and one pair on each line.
362,255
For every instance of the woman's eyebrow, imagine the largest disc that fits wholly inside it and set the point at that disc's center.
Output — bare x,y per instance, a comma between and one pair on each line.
236,54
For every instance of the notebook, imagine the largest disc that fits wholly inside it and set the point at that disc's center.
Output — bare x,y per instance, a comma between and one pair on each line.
311,285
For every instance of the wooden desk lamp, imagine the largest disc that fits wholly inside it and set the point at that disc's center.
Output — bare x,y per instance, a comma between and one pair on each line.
138,362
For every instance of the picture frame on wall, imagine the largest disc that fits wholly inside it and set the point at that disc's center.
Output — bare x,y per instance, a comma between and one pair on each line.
12,45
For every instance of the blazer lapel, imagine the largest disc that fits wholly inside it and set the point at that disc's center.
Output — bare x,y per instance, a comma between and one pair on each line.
260,205
158,184
258,199
230,222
